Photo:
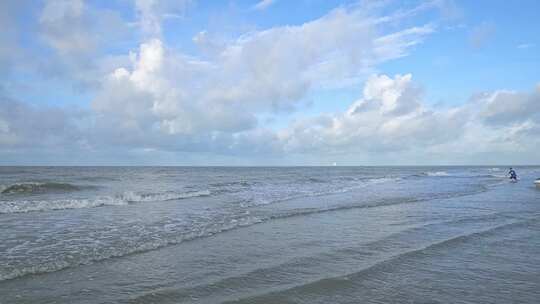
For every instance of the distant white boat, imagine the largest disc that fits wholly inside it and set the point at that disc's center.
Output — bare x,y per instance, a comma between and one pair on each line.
537,182
334,164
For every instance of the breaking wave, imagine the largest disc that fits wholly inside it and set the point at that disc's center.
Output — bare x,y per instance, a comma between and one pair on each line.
202,231
436,173
42,205
133,197
490,174
260,201
29,188
24,206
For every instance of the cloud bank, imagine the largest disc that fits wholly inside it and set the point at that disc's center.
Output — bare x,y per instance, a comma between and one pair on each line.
156,100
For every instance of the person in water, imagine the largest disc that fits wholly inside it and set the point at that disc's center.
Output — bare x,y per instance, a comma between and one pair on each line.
512,173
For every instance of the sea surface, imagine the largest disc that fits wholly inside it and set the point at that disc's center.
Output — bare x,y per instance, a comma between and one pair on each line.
269,235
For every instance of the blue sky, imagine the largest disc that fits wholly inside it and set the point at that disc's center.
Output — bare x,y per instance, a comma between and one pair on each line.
278,82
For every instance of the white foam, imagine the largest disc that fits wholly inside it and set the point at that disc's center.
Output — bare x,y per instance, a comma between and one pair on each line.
41,205
62,262
384,180
311,193
437,173
158,197
23,206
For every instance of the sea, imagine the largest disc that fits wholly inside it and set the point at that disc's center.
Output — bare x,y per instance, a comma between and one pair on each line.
269,235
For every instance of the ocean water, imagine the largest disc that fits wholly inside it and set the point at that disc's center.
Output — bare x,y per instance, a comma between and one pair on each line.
269,235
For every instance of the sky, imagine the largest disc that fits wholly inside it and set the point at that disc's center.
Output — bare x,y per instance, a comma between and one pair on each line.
269,83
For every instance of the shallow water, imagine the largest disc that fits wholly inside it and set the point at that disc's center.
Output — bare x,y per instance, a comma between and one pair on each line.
269,235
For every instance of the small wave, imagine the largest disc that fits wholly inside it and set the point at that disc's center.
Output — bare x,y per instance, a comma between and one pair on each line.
201,232
361,183
315,180
157,243
133,197
233,184
41,205
380,264
123,199
374,204
29,188
436,173
383,180
97,178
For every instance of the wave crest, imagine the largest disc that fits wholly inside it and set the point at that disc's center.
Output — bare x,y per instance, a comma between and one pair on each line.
133,197
436,173
24,206
28,188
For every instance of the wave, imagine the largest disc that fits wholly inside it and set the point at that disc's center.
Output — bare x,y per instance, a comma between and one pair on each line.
356,186
97,178
497,175
257,279
374,204
42,205
133,197
436,173
315,180
234,184
24,206
247,219
122,251
384,263
492,174
29,188
383,180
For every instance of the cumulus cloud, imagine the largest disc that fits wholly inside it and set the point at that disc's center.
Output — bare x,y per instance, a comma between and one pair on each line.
390,116
507,107
267,71
393,120
158,98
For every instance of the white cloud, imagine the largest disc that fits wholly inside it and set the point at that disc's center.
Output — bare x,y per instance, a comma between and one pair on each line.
153,12
157,98
259,73
390,116
263,4
505,107
393,120
77,36
73,27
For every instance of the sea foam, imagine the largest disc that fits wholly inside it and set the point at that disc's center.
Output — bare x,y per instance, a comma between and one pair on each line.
22,206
